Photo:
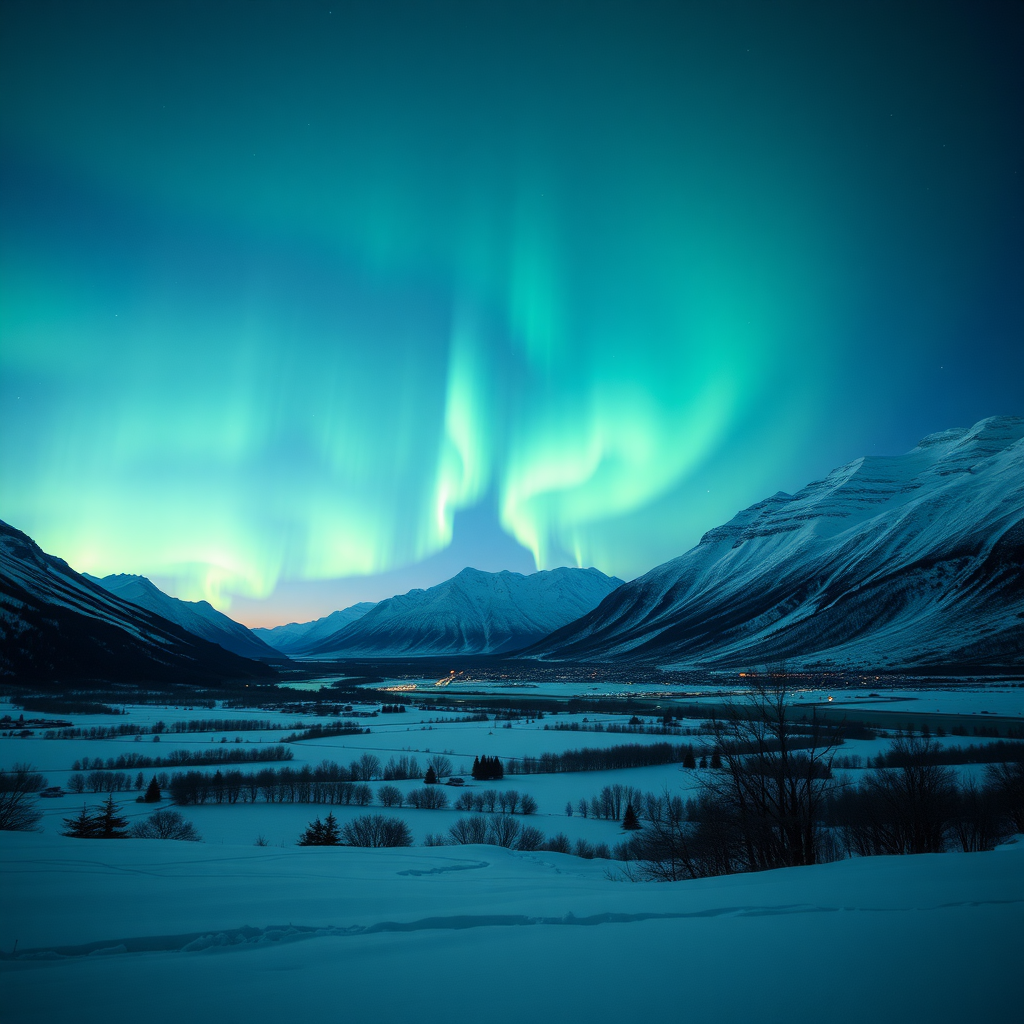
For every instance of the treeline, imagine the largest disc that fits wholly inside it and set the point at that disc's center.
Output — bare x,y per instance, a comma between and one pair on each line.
317,731
225,725
193,725
593,759
644,729
984,753
325,783
60,706
504,801
304,786
505,831
95,732
181,758
612,801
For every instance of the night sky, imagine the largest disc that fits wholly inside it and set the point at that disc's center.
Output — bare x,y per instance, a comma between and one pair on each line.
304,304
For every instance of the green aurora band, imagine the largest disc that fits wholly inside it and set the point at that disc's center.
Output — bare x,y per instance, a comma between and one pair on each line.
285,287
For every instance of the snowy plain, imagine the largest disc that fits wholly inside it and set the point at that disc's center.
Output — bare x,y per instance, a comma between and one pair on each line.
224,930
181,931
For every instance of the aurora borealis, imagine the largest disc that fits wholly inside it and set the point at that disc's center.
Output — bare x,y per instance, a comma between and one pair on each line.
291,293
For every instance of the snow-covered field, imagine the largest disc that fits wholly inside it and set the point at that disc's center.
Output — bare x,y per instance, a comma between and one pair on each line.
227,931
470,933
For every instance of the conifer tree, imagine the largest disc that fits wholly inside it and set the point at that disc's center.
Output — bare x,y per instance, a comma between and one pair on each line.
331,833
110,824
476,768
716,759
314,834
629,819
152,793
431,777
688,760
82,826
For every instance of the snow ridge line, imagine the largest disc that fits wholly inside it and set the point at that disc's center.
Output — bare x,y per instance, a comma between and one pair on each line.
247,936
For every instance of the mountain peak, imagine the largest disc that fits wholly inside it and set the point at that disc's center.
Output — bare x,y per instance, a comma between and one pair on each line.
890,561
474,612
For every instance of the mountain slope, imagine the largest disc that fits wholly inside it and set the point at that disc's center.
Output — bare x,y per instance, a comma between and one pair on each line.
472,613
913,560
300,637
200,618
57,625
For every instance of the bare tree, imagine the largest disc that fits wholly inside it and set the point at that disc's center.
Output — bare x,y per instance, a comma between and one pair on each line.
775,777
441,764
1007,783
367,768
469,830
165,824
18,787
905,807
504,831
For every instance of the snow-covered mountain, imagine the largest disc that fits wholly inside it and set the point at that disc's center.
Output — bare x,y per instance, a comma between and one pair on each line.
300,637
472,613
914,560
199,617
57,625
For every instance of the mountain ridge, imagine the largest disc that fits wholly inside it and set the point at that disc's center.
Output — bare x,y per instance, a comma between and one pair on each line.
298,637
474,612
887,562
200,618
57,625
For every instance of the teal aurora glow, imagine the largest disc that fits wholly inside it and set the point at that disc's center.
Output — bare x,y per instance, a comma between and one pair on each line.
287,286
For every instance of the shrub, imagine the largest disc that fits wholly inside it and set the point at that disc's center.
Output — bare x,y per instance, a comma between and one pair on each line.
559,843
390,796
376,830
531,838
165,824
427,799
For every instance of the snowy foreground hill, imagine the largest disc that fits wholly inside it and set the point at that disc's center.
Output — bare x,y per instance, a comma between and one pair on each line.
895,562
300,637
55,623
200,618
126,930
472,613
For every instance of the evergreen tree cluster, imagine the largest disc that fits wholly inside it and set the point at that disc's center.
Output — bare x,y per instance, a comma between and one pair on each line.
106,823
487,768
322,833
